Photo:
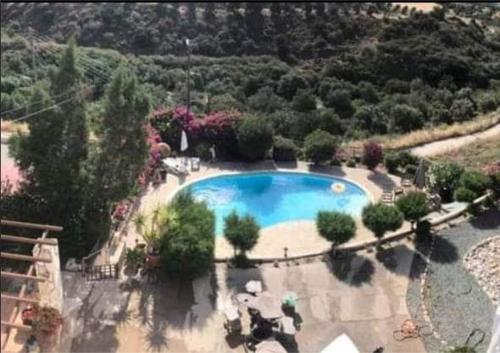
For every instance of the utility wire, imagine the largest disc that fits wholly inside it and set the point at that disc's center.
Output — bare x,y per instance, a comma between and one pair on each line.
35,103
43,110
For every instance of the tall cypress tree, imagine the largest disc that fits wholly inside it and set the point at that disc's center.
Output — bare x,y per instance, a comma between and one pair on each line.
54,151
123,147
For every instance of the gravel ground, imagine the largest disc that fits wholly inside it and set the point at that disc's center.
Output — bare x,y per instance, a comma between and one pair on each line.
455,301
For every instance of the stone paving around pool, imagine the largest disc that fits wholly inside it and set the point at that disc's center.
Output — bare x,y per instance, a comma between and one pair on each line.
360,296
300,237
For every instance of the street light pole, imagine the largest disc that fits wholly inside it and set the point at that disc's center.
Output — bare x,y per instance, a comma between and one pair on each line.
188,78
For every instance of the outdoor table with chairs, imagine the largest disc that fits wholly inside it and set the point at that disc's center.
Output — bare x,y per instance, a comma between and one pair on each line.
273,322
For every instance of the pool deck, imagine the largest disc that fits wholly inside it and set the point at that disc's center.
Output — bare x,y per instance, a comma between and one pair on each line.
300,237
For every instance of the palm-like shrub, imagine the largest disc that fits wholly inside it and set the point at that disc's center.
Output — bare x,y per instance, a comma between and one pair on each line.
336,227
188,249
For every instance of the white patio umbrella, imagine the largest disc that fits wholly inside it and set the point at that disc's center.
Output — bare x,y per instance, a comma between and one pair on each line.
419,179
269,346
342,344
253,286
269,306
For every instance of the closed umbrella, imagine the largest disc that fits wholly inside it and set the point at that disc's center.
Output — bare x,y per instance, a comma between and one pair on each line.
419,179
494,346
184,141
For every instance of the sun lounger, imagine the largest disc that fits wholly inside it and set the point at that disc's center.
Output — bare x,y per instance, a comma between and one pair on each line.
195,164
175,166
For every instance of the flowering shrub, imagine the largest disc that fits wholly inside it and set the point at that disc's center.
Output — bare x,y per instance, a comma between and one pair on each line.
372,154
121,210
211,126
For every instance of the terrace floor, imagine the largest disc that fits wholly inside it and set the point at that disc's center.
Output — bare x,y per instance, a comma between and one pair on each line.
361,296
300,237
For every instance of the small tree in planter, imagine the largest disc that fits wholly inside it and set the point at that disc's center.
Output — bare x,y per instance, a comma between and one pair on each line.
413,205
372,155
153,228
47,322
242,233
336,227
381,218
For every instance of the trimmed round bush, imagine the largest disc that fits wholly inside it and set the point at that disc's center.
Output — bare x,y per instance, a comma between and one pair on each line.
413,205
465,195
338,228
255,137
284,149
241,232
319,146
381,218
391,162
475,180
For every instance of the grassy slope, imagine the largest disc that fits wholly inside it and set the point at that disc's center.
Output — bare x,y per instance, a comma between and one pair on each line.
475,155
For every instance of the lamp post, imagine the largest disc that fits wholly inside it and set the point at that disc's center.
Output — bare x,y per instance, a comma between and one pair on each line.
188,77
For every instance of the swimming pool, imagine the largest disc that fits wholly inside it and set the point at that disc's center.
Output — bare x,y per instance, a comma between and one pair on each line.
276,197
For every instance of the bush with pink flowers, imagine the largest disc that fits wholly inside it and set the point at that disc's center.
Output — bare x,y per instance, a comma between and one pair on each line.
372,154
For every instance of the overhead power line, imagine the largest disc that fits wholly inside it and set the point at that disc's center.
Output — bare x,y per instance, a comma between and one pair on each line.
35,103
43,110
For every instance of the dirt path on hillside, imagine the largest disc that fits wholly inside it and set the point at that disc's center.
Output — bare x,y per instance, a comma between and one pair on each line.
443,146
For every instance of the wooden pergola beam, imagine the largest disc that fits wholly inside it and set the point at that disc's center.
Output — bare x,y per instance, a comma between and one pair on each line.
31,225
18,299
22,276
14,238
10,256
18,326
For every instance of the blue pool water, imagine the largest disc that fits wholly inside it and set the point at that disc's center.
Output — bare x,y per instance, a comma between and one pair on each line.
275,197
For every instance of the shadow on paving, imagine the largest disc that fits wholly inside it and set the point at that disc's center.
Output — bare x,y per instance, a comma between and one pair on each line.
490,219
382,180
353,269
389,259
334,171
166,303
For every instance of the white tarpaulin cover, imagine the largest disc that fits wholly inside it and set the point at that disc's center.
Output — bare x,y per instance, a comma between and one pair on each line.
341,344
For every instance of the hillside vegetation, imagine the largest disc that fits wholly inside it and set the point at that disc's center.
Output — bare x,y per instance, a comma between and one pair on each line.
351,69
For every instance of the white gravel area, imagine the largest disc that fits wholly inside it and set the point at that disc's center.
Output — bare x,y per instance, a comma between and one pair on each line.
483,262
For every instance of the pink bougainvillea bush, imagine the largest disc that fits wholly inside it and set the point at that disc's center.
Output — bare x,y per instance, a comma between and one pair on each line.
214,128
372,154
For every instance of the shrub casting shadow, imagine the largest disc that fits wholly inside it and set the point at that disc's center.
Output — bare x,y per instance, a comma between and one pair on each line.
490,219
352,269
389,259
444,251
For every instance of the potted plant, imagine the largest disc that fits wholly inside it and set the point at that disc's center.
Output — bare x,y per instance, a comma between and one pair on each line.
47,323
153,228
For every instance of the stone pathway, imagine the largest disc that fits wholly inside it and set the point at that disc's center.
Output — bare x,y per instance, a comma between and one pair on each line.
440,147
